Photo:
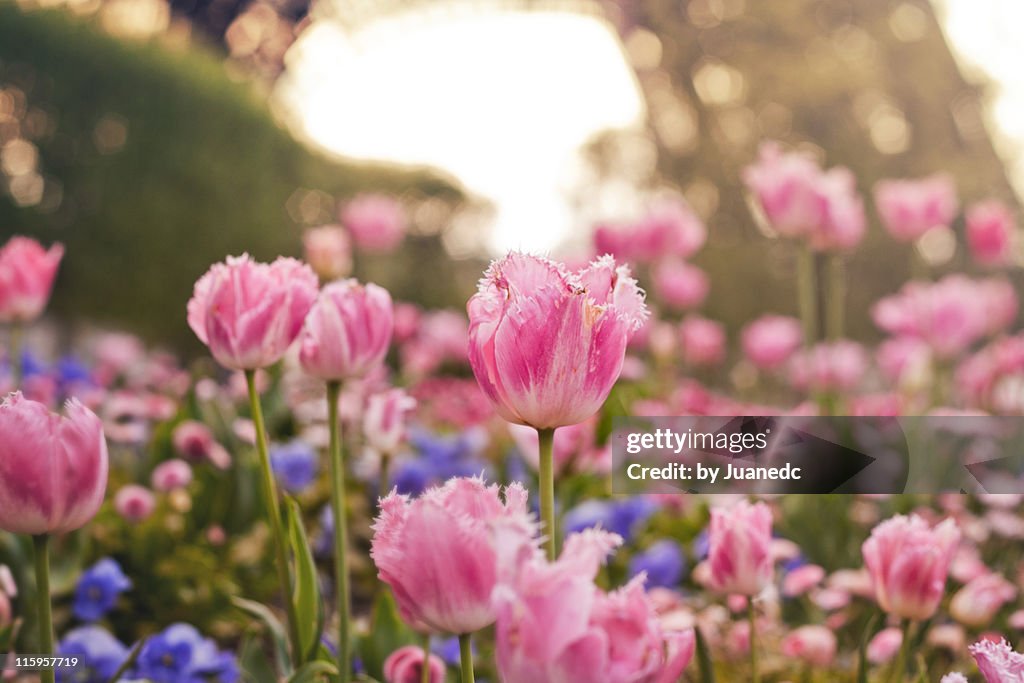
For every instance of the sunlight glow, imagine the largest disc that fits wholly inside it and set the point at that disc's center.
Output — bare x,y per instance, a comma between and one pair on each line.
502,100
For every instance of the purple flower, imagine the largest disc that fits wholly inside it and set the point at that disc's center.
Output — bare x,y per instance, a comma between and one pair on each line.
663,562
295,464
100,654
179,654
98,589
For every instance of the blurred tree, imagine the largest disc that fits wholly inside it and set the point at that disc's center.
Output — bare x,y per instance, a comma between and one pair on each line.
150,164
870,84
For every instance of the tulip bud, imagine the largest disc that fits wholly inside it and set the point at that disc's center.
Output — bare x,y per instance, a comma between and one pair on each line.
53,468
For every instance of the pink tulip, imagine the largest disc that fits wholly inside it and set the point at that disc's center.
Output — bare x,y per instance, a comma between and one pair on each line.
844,224
328,250
680,285
990,231
769,341
134,503
439,553
948,636
702,341
377,222
347,332
908,562
194,441
998,662
829,367
814,645
739,552
949,315
904,360
802,579
384,420
954,677
884,645
249,313
170,475
669,228
27,272
405,665
554,624
977,603
786,187
53,469
547,345
910,208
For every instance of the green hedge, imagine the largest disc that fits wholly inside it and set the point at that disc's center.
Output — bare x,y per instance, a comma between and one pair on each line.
205,171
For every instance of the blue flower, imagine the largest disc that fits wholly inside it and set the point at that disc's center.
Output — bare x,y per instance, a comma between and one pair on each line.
590,513
663,562
98,589
179,654
621,517
295,464
70,370
440,457
629,514
100,654
448,650
411,477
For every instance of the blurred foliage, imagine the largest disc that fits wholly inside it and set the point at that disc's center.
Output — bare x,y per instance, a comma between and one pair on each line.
156,165
871,85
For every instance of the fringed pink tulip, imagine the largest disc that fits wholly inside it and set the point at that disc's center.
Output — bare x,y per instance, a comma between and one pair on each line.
739,552
990,232
249,313
555,625
347,332
910,208
27,272
547,345
405,665
998,662
769,341
328,251
53,468
439,553
377,222
812,644
908,561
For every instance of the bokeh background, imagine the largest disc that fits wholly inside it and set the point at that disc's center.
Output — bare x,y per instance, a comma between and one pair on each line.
154,136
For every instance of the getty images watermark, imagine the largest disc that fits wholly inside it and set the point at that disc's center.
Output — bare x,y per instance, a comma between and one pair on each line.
782,454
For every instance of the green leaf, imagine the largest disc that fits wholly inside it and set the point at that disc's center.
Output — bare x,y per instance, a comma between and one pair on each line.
275,627
704,665
254,661
128,662
306,585
387,633
313,671
862,650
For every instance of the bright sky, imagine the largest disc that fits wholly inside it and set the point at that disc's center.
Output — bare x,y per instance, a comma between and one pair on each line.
986,36
501,100
504,100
